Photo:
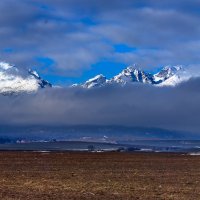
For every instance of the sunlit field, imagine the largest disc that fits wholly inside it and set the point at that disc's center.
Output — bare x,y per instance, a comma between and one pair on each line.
113,175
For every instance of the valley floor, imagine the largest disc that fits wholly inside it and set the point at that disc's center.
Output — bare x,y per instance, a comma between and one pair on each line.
65,175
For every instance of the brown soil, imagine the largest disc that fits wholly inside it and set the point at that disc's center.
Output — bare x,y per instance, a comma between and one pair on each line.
29,175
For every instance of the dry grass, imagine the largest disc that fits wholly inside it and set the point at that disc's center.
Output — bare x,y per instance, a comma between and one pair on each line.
28,175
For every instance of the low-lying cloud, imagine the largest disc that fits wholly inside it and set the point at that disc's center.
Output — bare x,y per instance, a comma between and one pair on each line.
173,108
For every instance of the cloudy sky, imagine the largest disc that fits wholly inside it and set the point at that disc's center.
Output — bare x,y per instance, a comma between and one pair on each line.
72,40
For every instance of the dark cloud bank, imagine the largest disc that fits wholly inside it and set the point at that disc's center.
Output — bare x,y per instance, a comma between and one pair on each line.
172,108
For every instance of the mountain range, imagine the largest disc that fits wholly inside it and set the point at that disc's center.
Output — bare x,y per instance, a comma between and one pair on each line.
167,76
15,80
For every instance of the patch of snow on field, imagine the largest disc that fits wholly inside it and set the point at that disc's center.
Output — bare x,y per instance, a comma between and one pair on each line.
195,154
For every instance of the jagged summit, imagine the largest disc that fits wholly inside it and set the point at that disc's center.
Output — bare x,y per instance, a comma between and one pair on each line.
132,74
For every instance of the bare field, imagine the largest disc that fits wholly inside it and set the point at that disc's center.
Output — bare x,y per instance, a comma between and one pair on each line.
29,175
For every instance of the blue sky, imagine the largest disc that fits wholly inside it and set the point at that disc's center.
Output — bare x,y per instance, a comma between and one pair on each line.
69,41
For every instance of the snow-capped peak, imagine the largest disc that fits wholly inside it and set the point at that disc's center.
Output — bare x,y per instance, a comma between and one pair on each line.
132,74
14,80
167,72
132,68
97,81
